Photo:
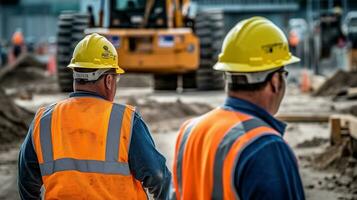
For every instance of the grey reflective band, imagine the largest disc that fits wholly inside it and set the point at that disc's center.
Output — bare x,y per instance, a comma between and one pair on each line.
131,128
89,76
110,166
46,134
113,136
237,158
181,152
90,166
224,147
250,78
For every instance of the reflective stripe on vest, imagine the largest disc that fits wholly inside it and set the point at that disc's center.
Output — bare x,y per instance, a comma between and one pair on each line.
181,151
109,166
224,147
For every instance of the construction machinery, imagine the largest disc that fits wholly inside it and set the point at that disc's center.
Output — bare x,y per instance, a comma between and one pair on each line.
350,30
160,37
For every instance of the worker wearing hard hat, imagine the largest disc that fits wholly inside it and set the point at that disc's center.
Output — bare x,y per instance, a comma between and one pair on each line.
17,42
237,151
86,146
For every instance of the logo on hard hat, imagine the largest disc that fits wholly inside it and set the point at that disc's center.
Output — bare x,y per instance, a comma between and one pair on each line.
270,48
107,53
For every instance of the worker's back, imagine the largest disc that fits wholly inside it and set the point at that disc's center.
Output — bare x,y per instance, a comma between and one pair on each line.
82,145
207,151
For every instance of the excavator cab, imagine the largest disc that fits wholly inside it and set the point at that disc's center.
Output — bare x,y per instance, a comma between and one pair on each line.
152,36
131,14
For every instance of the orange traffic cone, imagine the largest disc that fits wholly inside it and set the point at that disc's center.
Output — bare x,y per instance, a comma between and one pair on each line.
305,82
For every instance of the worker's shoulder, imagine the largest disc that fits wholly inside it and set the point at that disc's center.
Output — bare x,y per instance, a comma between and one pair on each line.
41,110
190,122
267,139
133,109
266,145
130,107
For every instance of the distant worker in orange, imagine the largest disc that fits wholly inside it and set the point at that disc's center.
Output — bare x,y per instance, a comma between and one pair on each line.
17,42
87,146
293,41
237,150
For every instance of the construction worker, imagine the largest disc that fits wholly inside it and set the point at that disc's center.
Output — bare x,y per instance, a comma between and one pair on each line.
17,42
236,151
86,146
294,41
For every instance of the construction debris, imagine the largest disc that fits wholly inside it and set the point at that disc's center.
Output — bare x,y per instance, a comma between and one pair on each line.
153,111
339,158
14,120
314,142
338,84
25,69
25,60
31,73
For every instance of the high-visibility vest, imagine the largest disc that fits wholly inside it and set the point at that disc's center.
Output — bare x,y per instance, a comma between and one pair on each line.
17,38
208,150
293,39
82,145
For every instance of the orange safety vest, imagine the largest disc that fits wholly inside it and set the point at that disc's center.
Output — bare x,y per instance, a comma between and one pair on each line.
293,39
207,152
82,145
17,38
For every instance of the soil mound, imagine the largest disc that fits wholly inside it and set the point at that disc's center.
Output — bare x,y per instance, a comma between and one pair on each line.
312,143
14,120
337,84
153,111
338,158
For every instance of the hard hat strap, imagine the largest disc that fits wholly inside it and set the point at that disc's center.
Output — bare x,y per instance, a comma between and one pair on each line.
89,76
247,78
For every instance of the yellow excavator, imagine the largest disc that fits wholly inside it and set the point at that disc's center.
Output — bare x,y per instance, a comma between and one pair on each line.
159,37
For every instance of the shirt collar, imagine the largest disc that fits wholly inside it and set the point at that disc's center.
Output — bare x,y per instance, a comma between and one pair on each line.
85,94
237,104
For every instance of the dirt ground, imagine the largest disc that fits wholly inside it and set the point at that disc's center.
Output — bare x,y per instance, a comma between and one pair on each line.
306,139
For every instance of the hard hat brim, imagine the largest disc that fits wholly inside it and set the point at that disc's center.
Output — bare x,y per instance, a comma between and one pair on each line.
118,70
238,67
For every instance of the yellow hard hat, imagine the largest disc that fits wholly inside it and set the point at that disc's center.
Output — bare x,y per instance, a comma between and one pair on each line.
254,45
95,52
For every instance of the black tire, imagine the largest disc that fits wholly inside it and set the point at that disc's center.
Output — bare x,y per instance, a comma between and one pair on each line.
63,51
165,81
210,29
70,30
189,80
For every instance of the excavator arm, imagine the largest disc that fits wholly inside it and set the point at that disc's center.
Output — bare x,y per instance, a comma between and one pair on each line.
148,7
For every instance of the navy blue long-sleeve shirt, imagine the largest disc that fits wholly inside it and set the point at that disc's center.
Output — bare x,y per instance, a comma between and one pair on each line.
267,168
145,162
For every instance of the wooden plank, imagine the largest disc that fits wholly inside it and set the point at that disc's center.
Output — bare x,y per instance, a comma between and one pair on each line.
310,118
335,130
353,60
347,122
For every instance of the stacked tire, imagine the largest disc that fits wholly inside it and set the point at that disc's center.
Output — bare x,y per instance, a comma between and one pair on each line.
210,29
71,28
